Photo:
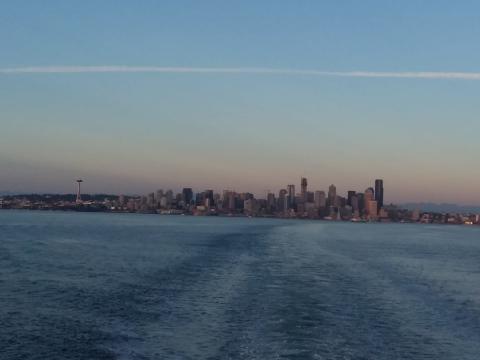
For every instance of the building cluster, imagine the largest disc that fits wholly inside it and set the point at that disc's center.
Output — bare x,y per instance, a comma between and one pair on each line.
287,203
367,205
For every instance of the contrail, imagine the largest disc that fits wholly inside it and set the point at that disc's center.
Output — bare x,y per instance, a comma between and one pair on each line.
238,70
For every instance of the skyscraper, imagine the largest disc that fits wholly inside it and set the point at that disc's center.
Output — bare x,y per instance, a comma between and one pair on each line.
282,200
187,195
169,196
291,195
158,196
379,192
372,209
368,197
232,200
320,201
271,202
332,195
303,189
369,194
208,194
350,195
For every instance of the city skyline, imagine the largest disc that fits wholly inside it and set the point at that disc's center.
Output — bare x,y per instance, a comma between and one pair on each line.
133,189
290,202
129,96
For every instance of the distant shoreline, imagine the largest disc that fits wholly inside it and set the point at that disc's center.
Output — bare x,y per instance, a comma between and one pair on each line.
235,216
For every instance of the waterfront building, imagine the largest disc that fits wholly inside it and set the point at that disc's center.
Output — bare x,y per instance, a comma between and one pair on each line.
372,209
163,202
250,206
300,209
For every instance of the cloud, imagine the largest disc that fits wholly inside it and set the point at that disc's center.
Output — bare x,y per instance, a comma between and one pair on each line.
239,70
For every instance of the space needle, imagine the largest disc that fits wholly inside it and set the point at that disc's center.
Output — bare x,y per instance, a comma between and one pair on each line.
79,194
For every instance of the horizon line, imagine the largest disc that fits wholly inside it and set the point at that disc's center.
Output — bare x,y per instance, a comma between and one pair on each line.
239,70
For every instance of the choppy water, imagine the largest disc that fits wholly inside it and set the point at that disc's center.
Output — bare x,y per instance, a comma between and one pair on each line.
114,286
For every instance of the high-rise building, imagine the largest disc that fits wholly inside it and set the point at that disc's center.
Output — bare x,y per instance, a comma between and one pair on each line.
369,195
303,189
355,203
379,192
231,200
169,196
361,201
250,206
332,194
372,209
291,196
187,195
158,196
271,202
320,200
350,195
282,204
151,199
310,197
208,194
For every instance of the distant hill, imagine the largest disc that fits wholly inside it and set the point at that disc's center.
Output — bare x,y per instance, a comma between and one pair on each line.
442,208
58,197
6,193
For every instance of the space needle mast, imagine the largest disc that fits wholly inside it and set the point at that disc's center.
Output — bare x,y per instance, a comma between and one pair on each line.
79,194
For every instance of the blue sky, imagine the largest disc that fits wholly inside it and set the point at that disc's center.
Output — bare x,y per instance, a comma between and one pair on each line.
135,132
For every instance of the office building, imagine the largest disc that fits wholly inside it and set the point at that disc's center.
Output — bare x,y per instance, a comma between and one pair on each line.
187,195
379,192
332,194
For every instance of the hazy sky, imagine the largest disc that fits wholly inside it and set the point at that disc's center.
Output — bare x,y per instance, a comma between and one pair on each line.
211,121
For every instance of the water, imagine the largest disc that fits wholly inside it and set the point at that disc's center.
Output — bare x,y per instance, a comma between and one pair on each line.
118,286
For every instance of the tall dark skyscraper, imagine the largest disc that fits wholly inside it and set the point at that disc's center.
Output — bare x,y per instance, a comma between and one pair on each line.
332,194
209,195
379,192
291,195
187,195
350,195
303,188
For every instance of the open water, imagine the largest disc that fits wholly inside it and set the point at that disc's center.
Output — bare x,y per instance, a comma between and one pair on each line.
120,286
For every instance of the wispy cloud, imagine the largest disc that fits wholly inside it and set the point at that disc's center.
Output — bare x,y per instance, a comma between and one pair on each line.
239,70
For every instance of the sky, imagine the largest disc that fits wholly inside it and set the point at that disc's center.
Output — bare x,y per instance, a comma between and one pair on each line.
132,96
